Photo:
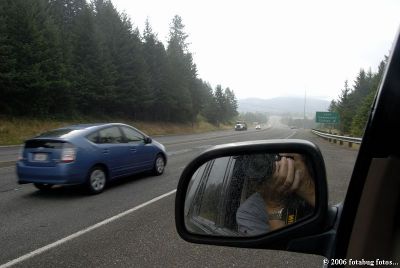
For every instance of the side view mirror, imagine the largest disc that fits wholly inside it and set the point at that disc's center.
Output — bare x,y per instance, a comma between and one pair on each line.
147,140
260,194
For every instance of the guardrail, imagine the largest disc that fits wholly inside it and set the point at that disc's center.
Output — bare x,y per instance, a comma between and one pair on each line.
336,138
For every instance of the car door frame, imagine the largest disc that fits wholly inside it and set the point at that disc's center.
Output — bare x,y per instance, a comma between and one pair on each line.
117,167
141,154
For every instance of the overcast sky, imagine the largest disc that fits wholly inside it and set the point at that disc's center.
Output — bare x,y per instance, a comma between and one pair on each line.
267,49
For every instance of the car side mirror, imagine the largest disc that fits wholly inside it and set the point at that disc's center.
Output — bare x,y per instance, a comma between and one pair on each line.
147,140
260,194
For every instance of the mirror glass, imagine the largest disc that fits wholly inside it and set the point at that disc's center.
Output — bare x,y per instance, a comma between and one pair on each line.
249,195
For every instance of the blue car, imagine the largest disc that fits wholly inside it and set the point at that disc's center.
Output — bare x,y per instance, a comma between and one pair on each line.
89,154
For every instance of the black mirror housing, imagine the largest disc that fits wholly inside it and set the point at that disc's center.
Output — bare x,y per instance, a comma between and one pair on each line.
281,239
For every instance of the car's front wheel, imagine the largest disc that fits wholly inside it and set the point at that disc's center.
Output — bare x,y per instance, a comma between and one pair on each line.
159,165
43,186
97,179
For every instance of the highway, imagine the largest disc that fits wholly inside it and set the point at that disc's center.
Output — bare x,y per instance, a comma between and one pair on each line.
145,235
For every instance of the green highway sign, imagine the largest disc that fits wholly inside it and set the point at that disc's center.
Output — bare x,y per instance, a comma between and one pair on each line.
327,117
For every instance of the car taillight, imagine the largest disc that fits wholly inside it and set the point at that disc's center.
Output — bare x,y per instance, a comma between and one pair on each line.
68,155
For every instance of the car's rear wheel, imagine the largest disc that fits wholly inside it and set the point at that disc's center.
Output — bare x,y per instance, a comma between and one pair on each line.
159,165
96,181
43,186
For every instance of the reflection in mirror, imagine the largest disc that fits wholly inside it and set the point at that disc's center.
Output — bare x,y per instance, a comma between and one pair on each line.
249,195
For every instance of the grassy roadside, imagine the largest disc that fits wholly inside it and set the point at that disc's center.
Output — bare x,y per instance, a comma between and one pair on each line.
16,130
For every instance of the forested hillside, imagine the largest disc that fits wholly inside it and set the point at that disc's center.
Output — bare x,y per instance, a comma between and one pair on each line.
354,104
67,58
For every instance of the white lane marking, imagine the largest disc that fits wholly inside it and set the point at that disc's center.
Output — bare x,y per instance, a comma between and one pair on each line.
291,135
11,146
82,232
7,167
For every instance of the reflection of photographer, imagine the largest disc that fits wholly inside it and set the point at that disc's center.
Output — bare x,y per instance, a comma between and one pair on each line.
285,192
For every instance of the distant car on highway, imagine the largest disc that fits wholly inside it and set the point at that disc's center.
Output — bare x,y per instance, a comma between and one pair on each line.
258,127
90,154
240,125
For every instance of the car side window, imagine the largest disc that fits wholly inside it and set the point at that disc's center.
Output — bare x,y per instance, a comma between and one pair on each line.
110,135
93,137
132,136
213,190
194,187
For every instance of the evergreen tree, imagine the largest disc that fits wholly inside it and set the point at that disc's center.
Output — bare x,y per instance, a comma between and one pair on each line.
180,72
122,50
354,105
210,110
156,61
65,14
360,119
231,103
332,106
362,113
221,104
362,87
134,79
7,61
344,108
37,70
86,62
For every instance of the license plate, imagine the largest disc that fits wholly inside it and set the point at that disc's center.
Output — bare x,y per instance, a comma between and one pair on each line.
40,157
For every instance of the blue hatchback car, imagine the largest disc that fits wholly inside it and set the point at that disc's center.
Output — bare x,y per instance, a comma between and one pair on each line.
89,154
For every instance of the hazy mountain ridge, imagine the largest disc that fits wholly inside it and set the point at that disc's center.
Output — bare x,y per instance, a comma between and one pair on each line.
283,105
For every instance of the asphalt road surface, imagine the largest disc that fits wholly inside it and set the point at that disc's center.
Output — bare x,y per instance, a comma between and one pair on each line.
131,224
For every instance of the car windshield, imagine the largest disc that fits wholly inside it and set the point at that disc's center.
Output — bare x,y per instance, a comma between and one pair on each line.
189,74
